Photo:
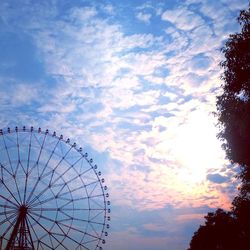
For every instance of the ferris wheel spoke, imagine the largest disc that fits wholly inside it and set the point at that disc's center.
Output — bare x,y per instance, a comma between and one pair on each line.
41,202
67,203
93,222
77,230
50,172
10,163
69,216
42,216
20,164
3,167
72,191
13,177
8,212
18,154
49,233
79,244
51,242
67,209
8,218
70,167
41,146
18,191
37,221
82,220
45,244
38,196
7,206
8,228
45,166
41,243
12,194
91,183
94,230
48,200
31,226
27,169
88,197
34,188
8,200
54,169
68,192
77,176
78,188
44,209
51,220
66,199
70,181
94,188
98,204
58,164
7,151
64,220
92,218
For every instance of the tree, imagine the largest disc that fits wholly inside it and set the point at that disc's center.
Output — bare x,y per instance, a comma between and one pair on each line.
231,230
219,232
241,211
233,106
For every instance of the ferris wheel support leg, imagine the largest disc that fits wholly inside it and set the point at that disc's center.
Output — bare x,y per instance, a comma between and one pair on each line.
18,228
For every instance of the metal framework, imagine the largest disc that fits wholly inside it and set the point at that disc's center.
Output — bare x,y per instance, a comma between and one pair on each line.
51,194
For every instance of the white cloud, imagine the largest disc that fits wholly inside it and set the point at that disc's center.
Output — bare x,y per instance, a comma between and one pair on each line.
83,14
144,17
182,18
109,9
18,94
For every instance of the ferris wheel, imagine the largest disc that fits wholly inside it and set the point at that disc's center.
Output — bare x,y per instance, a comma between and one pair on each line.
51,194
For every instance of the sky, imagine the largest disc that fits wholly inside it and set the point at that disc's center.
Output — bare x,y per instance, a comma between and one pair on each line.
135,84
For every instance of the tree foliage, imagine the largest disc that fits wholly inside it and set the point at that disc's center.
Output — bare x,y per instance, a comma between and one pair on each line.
231,230
233,106
219,232
224,230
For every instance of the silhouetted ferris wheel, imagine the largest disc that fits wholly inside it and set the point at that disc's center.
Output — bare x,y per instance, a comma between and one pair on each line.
51,194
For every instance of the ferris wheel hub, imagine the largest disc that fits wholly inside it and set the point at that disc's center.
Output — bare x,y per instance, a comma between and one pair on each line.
23,210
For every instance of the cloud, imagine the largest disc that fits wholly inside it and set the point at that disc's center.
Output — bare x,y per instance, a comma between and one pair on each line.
83,14
144,17
109,9
182,18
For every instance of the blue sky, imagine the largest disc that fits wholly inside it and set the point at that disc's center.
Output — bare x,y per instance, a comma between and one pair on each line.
134,83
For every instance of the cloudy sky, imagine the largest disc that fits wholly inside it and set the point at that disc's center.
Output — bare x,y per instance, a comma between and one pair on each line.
134,83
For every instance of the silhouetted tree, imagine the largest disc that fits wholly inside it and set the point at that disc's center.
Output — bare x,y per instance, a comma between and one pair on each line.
219,232
233,106
231,230
241,211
